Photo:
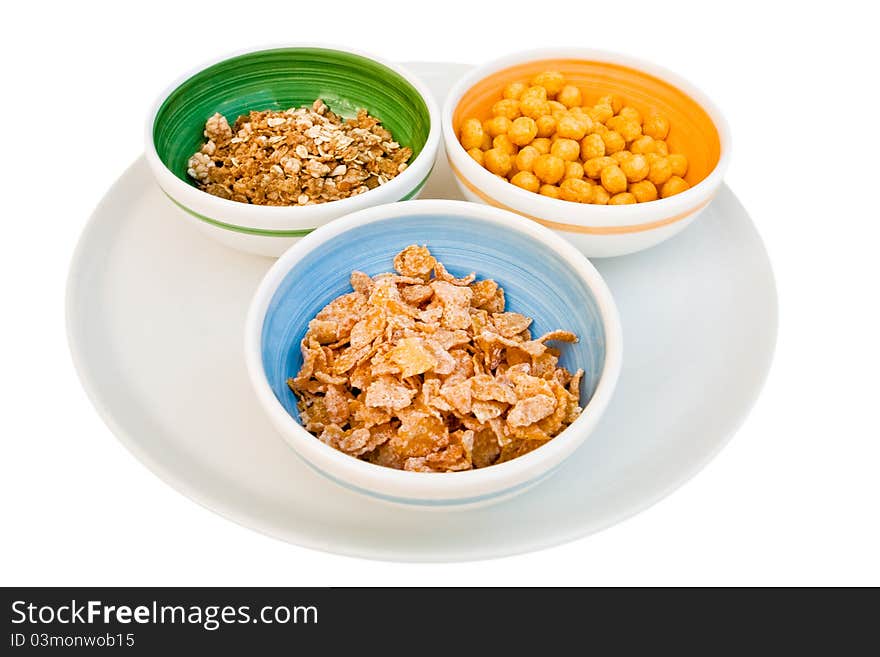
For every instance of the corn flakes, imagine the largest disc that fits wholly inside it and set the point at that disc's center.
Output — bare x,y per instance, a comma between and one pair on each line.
424,371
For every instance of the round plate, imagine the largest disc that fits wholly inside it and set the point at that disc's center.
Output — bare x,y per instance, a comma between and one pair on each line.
155,317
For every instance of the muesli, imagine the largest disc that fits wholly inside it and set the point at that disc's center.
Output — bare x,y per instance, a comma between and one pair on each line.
300,156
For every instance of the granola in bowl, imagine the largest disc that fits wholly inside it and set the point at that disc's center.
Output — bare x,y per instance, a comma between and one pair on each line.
301,156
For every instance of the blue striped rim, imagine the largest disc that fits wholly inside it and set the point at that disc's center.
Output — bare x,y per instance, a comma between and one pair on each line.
408,501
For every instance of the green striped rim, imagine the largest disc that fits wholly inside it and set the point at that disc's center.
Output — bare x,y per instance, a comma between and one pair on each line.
266,232
239,229
282,78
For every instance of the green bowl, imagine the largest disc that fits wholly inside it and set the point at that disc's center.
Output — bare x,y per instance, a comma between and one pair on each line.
281,78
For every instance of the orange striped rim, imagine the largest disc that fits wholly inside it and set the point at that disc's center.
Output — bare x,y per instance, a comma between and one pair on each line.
587,230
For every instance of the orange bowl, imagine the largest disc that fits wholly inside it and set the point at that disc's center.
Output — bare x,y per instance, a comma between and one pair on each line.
697,129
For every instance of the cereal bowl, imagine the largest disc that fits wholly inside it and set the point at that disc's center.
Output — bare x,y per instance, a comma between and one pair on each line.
544,277
697,130
279,79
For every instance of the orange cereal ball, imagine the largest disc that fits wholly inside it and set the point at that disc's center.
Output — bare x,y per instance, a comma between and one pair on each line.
624,198
643,190
566,149
660,171
486,144
549,190
542,145
613,102
661,147
571,127
592,146
643,144
656,126
503,142
678,163
522,131
549,168
569,95
533,107
652,157
620,156
506,107
584,116
514,90
601,112
552,81
573,170
635,168
471,134
574,189
614,122
497,125
600,195
525,159
631,113
613,141
527,181
593,167
556,106
546,125
534,91
477,155
613,179
627,128
675,185
497,161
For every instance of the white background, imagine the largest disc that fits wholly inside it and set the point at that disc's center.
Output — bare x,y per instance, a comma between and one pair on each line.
792,500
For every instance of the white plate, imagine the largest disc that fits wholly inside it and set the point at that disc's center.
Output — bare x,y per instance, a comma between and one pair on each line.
155,316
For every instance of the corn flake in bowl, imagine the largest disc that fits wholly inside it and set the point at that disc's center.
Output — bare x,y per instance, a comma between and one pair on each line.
357,371
419,370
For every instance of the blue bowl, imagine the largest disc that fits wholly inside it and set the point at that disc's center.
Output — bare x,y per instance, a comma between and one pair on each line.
543,277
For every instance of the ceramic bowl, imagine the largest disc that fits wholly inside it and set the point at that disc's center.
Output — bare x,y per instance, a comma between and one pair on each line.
697,129
543,276
280,78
